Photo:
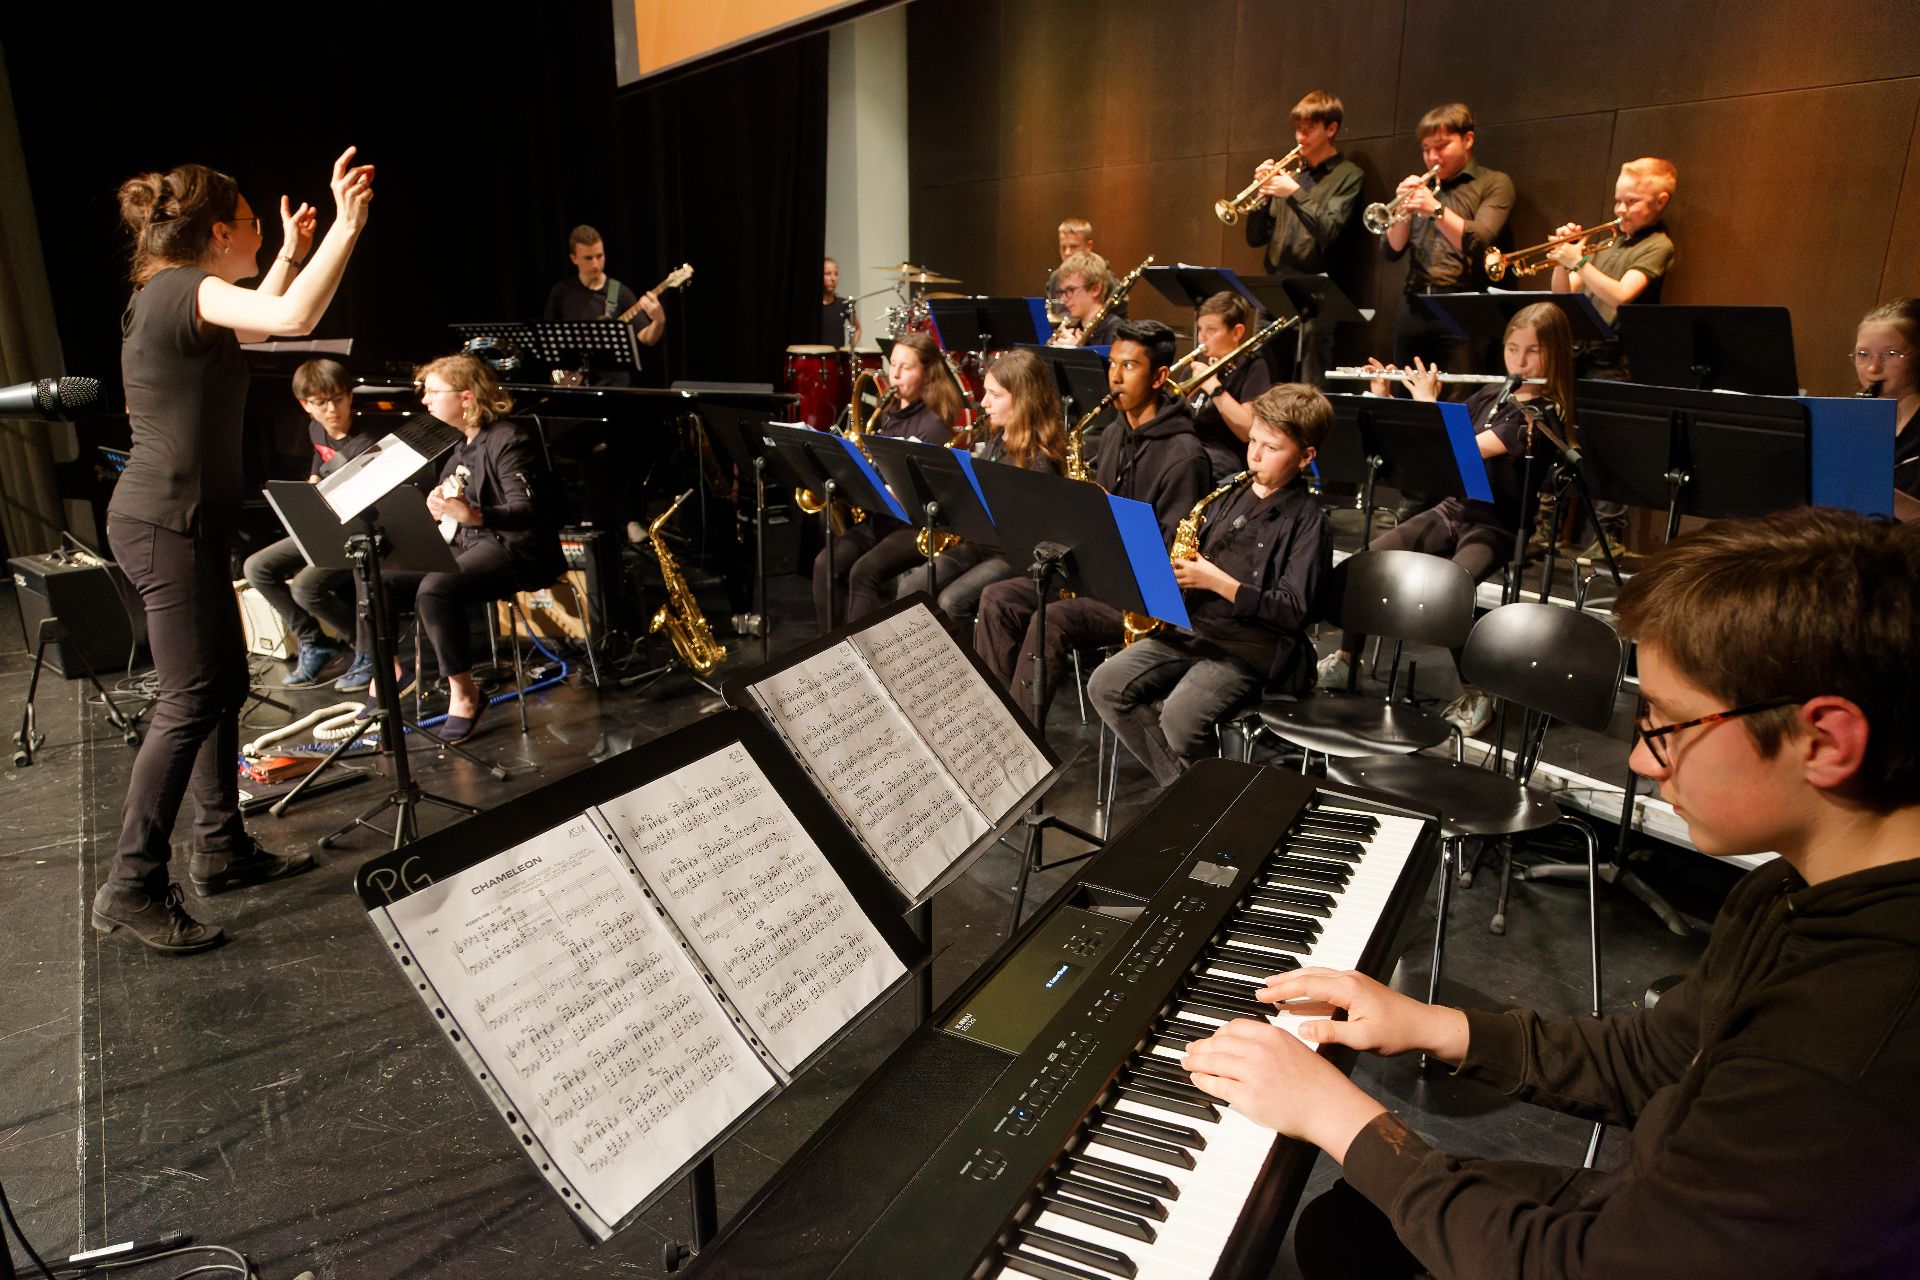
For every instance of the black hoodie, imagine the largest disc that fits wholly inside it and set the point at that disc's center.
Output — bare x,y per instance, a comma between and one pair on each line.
1774,1098
1162,463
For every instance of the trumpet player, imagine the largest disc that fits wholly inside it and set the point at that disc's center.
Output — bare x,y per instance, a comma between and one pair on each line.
925,405
1149,453
1308,211
1634,267
1264,546
1224,422
1448,230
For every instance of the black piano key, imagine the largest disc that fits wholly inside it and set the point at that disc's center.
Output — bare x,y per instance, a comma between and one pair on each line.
1230,994
1307,901
1032,1264
1105,1261
1363,821
1256,966
1220,1006
1152,1184
1101,1193
1299,879
1168,1095
1121,1224
1317,847
1161,1131
1280,915
1253,924
1256,938
1182,1029
1331,829
1148,1148
1337,872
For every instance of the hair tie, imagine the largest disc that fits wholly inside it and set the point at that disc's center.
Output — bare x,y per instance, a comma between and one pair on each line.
158,214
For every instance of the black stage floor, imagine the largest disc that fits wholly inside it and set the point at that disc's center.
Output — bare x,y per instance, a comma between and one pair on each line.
287,1095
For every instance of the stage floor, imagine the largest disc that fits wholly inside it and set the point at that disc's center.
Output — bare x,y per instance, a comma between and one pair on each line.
287,1095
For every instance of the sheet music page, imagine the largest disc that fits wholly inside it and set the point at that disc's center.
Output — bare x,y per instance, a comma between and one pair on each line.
590,1017
969,727
756,899
910,813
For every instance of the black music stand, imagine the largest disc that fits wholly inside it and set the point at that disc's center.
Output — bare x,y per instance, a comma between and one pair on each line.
1075,536
982,323
835,473
397,531
1187,285
1411,441
938,490
1565,472
1312,298
1483,317
1746,349
741,439
606,346
1079,374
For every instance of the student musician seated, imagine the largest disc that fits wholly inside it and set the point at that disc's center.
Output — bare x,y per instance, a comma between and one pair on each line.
1886,359
1075,236
1023,429
1767,1100
1264,546
1225,415
924,405
1148,453
1083,281
495,487
1478,536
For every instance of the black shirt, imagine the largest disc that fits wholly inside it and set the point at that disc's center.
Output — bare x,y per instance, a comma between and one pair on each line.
1243,382
1484,197
916,421
186,397
1906,456
1277,547
1161,463
1506,473
835,316
329,454
507,479
1299,233
571,300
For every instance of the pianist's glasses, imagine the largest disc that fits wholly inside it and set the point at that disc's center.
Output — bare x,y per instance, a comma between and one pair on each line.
1657,738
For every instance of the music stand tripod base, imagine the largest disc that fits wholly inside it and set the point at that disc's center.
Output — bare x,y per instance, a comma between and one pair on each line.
29,738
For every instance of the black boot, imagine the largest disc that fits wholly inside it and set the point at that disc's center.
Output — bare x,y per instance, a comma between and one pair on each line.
213,873
159,921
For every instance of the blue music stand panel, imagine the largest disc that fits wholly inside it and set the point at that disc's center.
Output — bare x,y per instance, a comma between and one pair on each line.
893,504
966,469
1850,444
1147,553
1042,327
1466,450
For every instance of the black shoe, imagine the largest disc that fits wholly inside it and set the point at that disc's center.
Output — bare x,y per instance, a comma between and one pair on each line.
460,728
160,922
213,873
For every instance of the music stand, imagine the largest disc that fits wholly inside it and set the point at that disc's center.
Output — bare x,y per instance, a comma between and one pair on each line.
1746,349
1483,317
982,323
740,437
1079,374
575,343
396,530
1431,444
1187,285
1311,297
939,491
1075,536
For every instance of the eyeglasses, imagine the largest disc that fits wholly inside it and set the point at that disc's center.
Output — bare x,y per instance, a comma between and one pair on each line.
234,222
1068,290
1655,738
320,402
1892,357
427,393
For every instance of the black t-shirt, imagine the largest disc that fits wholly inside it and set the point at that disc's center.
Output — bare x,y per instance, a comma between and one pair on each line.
571,300
1906,456
186,396
329,454
834,317
1506,473
1244,382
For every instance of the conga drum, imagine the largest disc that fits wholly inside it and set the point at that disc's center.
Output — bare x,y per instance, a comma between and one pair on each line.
817,374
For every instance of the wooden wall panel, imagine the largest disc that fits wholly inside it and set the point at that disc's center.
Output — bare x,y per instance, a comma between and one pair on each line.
1794,133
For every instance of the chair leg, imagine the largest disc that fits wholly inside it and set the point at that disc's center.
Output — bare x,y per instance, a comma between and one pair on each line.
1079,687
1593,905
516,620
1113,784
1498,924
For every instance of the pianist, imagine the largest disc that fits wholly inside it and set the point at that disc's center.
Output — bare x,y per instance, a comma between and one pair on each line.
1771,1095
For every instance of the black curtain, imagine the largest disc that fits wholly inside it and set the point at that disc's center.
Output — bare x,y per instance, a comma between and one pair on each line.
493,136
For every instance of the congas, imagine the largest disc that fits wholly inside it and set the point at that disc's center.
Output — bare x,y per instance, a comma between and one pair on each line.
817,374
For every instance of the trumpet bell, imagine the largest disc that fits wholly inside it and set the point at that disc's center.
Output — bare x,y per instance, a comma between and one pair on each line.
1229,212
1378,218
1496,264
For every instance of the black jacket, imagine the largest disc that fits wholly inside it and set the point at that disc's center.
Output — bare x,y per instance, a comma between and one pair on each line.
1162,463
517,496
1771,1096
1278,548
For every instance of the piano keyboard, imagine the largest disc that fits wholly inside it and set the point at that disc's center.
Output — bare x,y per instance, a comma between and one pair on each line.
1041,1125
1157,1177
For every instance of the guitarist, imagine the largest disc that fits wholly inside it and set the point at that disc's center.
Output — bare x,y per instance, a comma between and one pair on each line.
591,294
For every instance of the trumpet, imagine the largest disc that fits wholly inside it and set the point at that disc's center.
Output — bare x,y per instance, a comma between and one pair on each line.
1355,373
1524,262
1185,390
1232,210
1381,218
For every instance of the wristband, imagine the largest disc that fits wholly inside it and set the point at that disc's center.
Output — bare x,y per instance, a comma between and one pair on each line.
1574,270
292,261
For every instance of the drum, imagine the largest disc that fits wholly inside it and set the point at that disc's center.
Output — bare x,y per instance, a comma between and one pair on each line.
817,374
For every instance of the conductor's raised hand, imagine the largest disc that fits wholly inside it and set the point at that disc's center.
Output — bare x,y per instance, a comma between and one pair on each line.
352,189
1276,1081
296,229
1379,1019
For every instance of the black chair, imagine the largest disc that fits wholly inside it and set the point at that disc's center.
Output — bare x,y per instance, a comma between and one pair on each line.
1402,596
1553,662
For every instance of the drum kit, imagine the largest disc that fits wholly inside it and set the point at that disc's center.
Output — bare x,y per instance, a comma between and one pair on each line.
822,376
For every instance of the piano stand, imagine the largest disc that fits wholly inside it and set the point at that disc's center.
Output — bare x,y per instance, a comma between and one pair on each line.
1031,859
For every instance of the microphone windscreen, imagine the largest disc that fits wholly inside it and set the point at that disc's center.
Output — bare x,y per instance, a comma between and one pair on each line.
78,394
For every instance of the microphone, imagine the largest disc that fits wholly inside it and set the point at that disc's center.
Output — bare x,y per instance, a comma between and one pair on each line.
1869,392
1506,393
50,399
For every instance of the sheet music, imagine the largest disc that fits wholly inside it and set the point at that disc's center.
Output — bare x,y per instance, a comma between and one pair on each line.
910,813
969,728
590,1017
756,899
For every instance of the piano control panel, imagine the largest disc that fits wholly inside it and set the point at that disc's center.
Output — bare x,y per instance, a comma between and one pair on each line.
1008,1011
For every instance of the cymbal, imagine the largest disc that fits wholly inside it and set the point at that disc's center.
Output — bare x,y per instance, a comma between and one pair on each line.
917,274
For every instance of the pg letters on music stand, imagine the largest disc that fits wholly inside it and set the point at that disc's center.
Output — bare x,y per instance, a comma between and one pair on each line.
632,960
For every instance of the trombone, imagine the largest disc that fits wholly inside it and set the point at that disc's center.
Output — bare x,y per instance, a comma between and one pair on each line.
1225,365
1381,218
1524,262
1232,210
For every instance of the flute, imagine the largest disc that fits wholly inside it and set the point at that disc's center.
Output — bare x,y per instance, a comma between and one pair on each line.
1353,373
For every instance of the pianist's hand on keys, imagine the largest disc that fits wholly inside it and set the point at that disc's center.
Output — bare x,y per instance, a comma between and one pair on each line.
1266,1070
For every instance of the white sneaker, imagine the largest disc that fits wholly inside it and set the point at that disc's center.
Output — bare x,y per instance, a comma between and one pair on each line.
1469,713
1332,672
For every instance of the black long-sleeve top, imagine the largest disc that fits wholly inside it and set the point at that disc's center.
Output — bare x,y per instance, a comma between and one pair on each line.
1300,232
509,482
1278,548
1161,463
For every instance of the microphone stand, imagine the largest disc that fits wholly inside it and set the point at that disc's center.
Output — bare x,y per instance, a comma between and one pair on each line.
1542,416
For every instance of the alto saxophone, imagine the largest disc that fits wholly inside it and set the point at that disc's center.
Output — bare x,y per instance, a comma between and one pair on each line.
680,616
1186,545
1076,464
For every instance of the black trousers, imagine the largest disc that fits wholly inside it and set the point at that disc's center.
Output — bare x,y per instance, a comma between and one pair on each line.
192,747
1418,332
440,600
1007,636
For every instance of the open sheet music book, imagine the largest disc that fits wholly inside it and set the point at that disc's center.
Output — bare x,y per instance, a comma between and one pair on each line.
903,733
629,979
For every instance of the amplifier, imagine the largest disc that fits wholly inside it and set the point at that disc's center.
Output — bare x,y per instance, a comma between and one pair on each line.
595,556
563,611
99,607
